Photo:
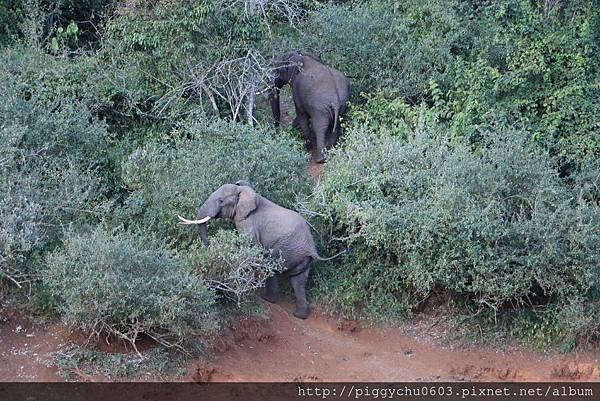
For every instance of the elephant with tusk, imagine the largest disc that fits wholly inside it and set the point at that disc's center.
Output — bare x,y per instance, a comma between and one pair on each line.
186,221
270,225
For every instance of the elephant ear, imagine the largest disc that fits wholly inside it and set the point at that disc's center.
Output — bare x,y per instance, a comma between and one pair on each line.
296,58
248,201
294,62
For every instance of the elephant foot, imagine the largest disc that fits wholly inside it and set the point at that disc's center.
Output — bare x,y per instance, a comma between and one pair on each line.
271,298
320,159
301,313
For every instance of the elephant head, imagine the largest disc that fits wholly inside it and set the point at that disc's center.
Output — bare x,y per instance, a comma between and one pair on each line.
233,202
285,69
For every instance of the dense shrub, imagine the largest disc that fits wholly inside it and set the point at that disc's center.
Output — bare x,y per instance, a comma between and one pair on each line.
97,114
108,88
54,168
49,16
170,179
382,111
386,44
126,284
575,323
538,68
192,54
232,266
532,65
497,226
37,201
10,14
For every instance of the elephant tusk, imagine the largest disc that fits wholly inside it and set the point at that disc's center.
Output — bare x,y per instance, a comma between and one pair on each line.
186,221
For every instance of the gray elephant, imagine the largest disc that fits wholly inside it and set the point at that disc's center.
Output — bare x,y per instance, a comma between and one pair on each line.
320,94
270,225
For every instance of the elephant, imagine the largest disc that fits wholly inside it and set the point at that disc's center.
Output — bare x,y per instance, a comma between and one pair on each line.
320,95
274,227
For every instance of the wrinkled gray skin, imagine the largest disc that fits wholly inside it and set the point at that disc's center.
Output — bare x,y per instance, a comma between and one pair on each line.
320,94
271,226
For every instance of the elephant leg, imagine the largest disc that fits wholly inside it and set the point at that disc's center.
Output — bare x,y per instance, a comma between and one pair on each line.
320,125
301,121
299,285
332,140
272,289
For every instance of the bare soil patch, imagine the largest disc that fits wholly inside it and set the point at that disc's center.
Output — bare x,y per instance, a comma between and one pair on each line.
322,348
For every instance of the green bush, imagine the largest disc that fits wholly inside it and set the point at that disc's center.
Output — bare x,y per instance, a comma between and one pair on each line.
535,67
17,18
563,327
383,111
232,266
170,179
526,64
496,225
387,44
126,284
37,202
55,169
10,14
179,47
109,88
49,99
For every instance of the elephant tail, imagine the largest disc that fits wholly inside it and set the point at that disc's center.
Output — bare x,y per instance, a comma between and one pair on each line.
344,252
336,118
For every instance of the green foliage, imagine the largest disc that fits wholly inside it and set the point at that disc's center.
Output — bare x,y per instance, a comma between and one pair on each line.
383,111
496,225
178,44
88,14
469,164
37,202
563,327
537,68
65,37
74,360
48,15
126,284
54,166
10,14
232,266
524,64
170,179
108,88
388,44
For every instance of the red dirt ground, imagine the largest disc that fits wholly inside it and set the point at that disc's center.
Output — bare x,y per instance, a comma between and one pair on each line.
25,348
317,349
315,170
324,349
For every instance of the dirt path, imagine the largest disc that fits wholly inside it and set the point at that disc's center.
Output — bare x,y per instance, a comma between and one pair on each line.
319,348
315,170
322,349
26,348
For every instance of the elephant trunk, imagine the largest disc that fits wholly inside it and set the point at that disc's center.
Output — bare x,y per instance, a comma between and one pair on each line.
203,234
275,105
208,209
